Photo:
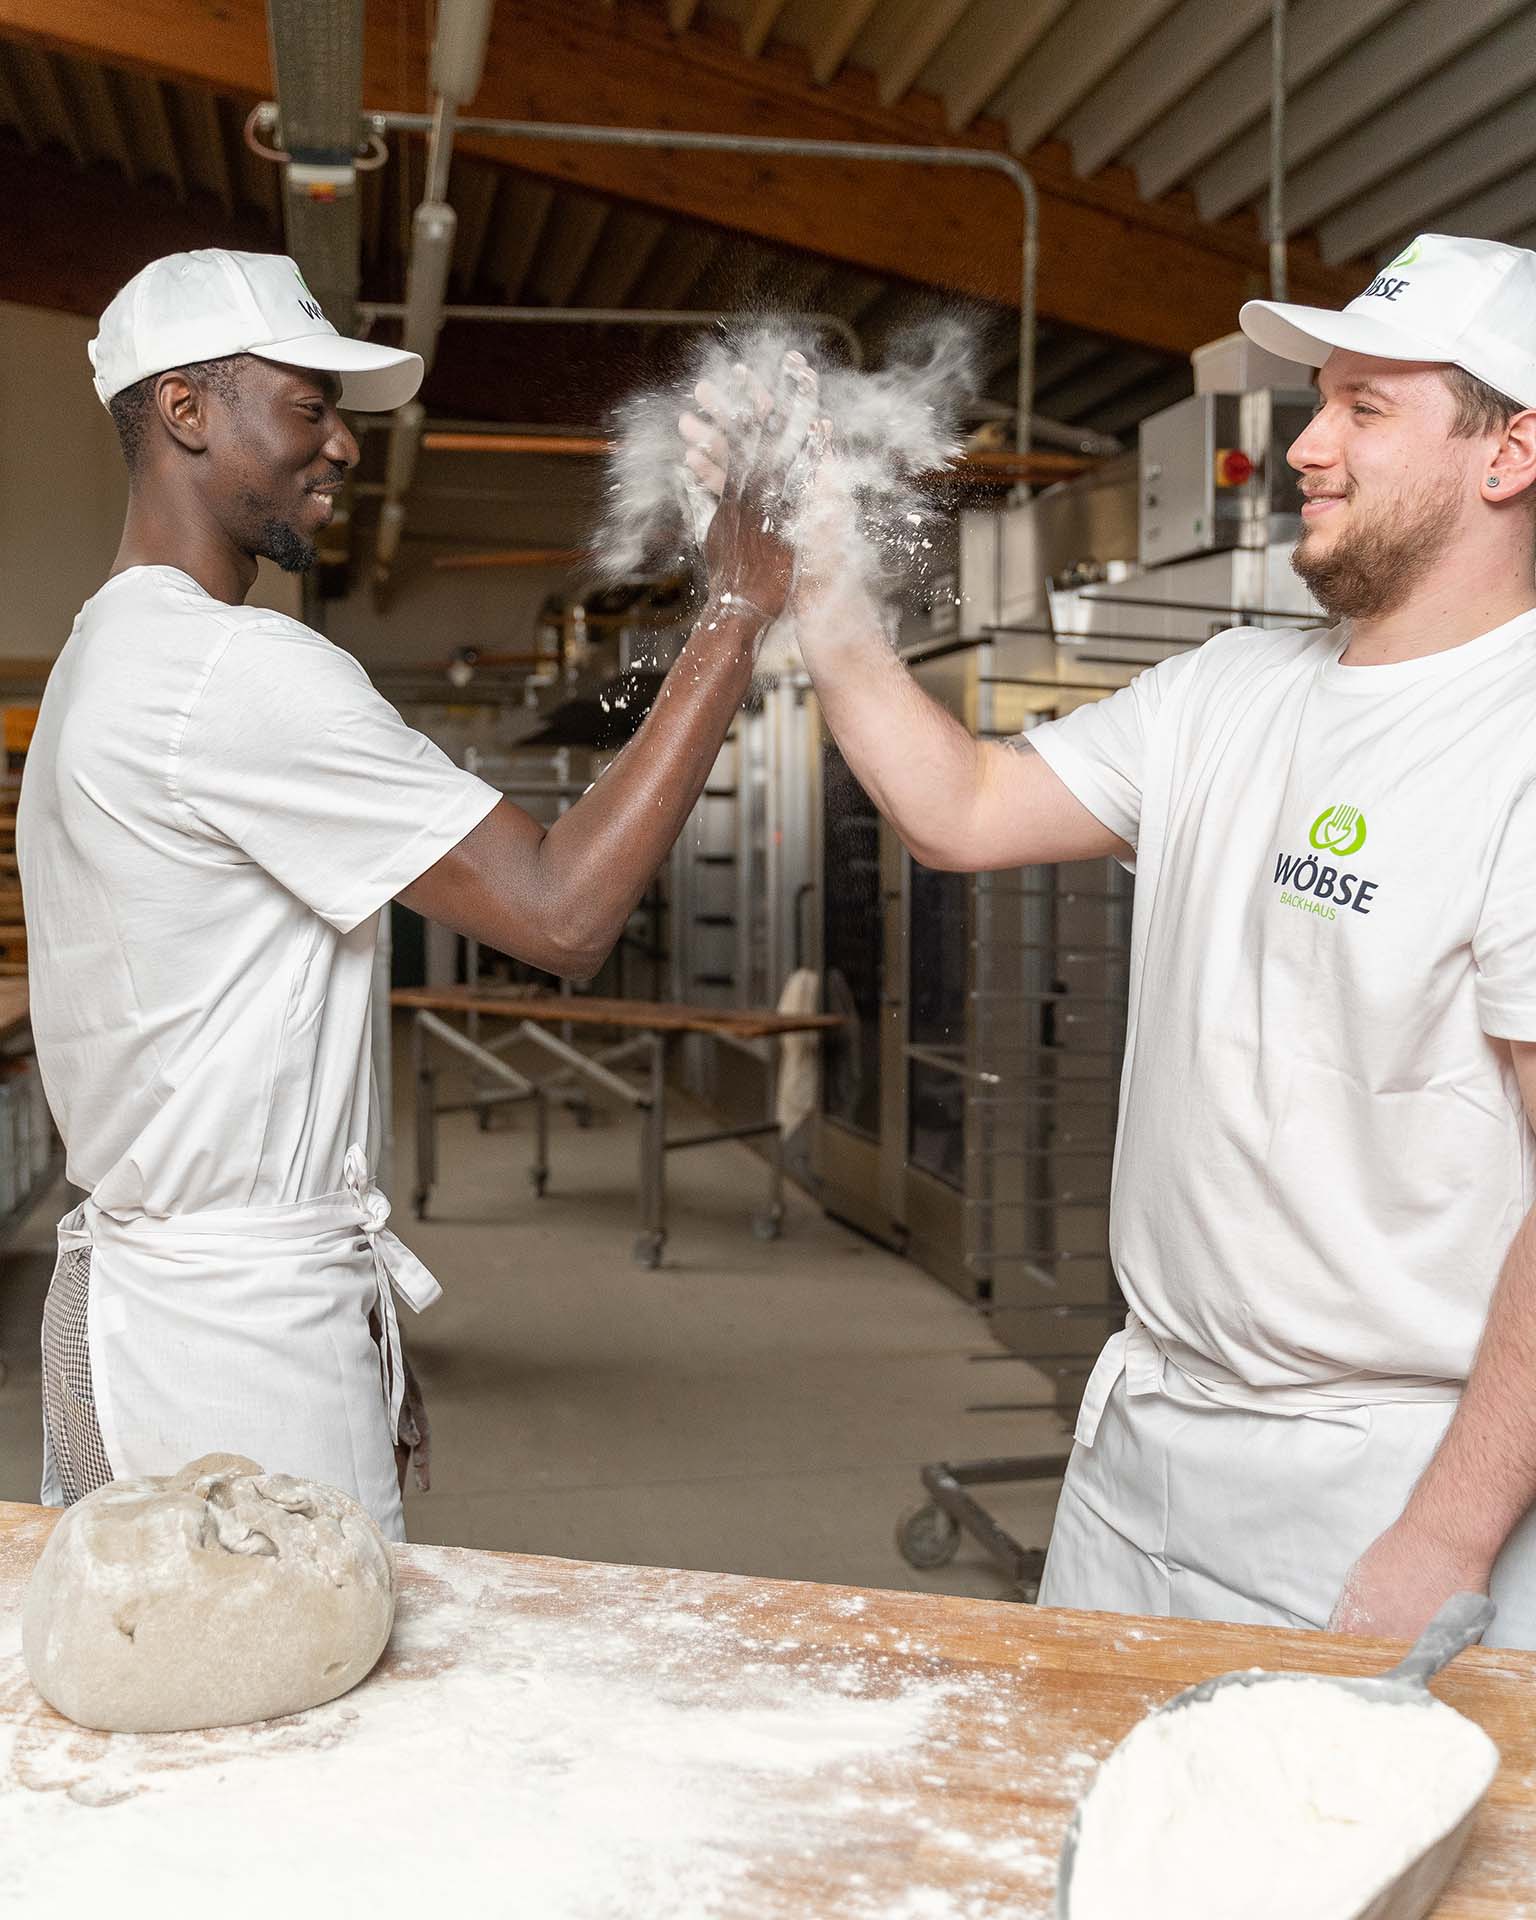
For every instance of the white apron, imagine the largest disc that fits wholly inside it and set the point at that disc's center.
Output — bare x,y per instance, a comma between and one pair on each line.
246,1331
1206,1500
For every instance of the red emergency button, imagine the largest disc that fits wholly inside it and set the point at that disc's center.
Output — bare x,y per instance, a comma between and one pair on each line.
1234,468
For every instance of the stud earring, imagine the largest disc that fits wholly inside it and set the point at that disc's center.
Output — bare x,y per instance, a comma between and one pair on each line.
1493,479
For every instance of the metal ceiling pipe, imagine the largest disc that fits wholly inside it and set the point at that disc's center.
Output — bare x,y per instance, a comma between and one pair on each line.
371,310
1278,276
1049,432
404,446
434,226
458,64
983,467
977,157
458,49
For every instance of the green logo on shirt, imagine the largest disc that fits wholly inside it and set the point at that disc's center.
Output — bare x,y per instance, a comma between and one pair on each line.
1339,831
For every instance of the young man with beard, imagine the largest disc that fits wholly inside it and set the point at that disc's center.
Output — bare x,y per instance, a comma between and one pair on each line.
1322,1409
216,808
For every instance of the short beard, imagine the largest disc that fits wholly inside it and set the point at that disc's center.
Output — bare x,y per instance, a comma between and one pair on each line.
276,540
1373,568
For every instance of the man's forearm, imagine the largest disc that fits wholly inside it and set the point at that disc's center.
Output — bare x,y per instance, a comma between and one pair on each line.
916,762
598,858
1482,1478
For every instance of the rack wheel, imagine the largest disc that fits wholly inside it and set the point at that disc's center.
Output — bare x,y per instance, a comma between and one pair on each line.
583,1115
419,1203
927,1537
769,1224
647,1250
538,1179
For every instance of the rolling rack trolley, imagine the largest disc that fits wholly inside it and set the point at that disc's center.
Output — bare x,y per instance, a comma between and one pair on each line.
1050,949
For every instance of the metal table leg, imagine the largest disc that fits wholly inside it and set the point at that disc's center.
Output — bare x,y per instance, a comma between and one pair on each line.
652,1242
538,1173
426,1120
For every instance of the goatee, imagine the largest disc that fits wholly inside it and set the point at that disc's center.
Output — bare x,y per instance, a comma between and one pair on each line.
277,541
1374,566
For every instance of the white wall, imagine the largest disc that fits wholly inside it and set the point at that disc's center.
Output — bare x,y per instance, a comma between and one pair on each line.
63,492
63,487
62,484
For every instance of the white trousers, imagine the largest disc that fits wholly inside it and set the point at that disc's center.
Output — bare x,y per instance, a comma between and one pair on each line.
1218,1513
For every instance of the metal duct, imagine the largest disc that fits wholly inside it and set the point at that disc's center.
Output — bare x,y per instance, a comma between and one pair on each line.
404,445
458,49
1278,273
317,63
325,237
391,526
433,226
317,60
458,63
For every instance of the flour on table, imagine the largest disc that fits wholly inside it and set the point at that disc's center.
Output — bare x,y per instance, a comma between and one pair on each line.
1272,1801
578,1752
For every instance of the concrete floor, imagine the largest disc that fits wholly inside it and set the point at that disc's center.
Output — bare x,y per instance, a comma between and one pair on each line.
749,1408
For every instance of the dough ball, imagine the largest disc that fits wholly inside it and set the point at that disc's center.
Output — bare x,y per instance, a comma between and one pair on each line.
206,1598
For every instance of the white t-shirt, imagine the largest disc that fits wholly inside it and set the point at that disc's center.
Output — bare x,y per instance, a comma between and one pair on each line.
216,805
1323,1155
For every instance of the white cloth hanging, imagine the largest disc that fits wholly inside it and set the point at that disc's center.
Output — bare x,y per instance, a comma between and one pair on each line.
799,1053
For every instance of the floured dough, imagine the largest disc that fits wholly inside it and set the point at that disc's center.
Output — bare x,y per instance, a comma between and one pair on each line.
206,1598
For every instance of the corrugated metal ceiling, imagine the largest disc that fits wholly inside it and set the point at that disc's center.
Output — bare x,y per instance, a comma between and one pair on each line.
1401,115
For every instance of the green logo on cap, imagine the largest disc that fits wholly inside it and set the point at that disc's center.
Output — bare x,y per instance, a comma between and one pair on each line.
1407,258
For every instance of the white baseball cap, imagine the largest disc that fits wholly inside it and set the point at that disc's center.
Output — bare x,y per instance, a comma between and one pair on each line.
213,303
1469,302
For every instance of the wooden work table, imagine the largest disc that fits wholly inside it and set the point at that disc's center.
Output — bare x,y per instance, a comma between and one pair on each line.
810,1753
646,1027
587,1010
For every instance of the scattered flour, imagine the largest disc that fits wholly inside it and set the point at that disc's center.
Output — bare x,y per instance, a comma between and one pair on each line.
597,1750
1273,1801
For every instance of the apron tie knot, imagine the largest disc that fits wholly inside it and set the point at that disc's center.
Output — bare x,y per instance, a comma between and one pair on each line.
405,1273
397,1270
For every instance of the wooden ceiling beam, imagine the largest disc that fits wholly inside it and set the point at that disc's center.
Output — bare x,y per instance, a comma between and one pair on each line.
1153,274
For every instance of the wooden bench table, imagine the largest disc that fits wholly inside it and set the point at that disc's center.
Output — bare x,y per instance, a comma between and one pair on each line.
563,1741
648,1024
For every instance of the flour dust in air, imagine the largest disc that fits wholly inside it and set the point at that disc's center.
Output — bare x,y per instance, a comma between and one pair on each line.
838,442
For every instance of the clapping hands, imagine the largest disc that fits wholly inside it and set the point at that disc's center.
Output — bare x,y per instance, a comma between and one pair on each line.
751,454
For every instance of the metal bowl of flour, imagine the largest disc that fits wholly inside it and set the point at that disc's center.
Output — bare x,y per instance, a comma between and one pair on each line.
1460,1623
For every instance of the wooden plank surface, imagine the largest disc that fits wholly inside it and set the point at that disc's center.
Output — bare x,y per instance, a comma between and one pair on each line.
641,1016
815,1752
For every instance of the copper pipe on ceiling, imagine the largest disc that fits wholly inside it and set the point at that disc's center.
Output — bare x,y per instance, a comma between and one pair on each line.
508,557
1038,469
515,443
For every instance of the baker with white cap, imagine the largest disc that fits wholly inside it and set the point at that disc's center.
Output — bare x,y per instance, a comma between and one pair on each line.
217,806
1321,1407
